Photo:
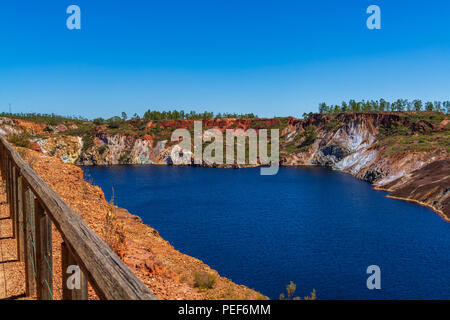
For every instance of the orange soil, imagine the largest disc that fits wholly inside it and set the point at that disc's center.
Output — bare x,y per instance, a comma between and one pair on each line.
12,272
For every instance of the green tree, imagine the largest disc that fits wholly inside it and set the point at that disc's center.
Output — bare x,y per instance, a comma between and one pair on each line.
365,105
409,105
417,105
323,108
383,105
437,106
446,105
398,105
354,106
344,106
429,106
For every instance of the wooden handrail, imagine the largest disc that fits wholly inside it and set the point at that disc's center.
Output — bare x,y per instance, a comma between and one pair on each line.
105,271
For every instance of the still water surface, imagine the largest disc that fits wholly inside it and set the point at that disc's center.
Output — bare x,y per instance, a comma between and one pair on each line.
314,226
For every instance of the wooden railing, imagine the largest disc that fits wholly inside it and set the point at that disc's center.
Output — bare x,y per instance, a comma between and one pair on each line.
34,207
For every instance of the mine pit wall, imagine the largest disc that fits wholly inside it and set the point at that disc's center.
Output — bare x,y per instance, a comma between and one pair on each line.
350,147
353,149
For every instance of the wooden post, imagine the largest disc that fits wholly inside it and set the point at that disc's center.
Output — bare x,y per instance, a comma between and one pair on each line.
2,155
2,151
67,261
20,230
2,162
8,184
6,177
3,159
28,220
44,265
14,201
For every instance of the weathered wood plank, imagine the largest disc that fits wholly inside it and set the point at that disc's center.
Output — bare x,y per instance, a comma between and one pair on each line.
44,256
28,221
14,200
20,230
107,274
68,268
8,184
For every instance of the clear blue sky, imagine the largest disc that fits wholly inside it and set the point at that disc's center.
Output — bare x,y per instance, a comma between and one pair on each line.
266,57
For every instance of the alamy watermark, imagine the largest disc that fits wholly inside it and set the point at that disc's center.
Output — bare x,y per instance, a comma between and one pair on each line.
73,22
74,280
374,20
256,151
374,280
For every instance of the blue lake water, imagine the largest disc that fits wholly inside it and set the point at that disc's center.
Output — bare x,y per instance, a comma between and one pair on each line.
317,227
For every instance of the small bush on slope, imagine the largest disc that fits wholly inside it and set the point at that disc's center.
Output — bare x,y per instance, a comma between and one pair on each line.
20,140
204,280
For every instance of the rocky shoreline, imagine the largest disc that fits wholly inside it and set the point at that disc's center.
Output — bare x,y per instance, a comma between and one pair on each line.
390,150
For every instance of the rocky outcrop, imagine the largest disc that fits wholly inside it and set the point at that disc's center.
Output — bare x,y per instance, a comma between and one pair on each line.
352,146
429,185
8,126
67,148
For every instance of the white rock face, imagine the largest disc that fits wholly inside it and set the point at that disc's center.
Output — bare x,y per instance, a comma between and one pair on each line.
356,161
141,154
180,156
7,127
363,161
391,178
67,148
347,148
354,136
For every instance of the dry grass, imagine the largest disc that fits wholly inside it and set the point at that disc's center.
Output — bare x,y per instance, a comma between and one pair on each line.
204,280
114,232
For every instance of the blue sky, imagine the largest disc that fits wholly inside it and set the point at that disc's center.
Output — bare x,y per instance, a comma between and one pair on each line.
266,57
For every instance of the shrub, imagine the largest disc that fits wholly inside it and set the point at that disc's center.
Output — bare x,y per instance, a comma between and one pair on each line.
99,121
310,136
83,129
334,125
124,159
312,296
114,231
114,122
204,280
290,289
20,140
140,124
307,138
396,128
102,149
88,142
